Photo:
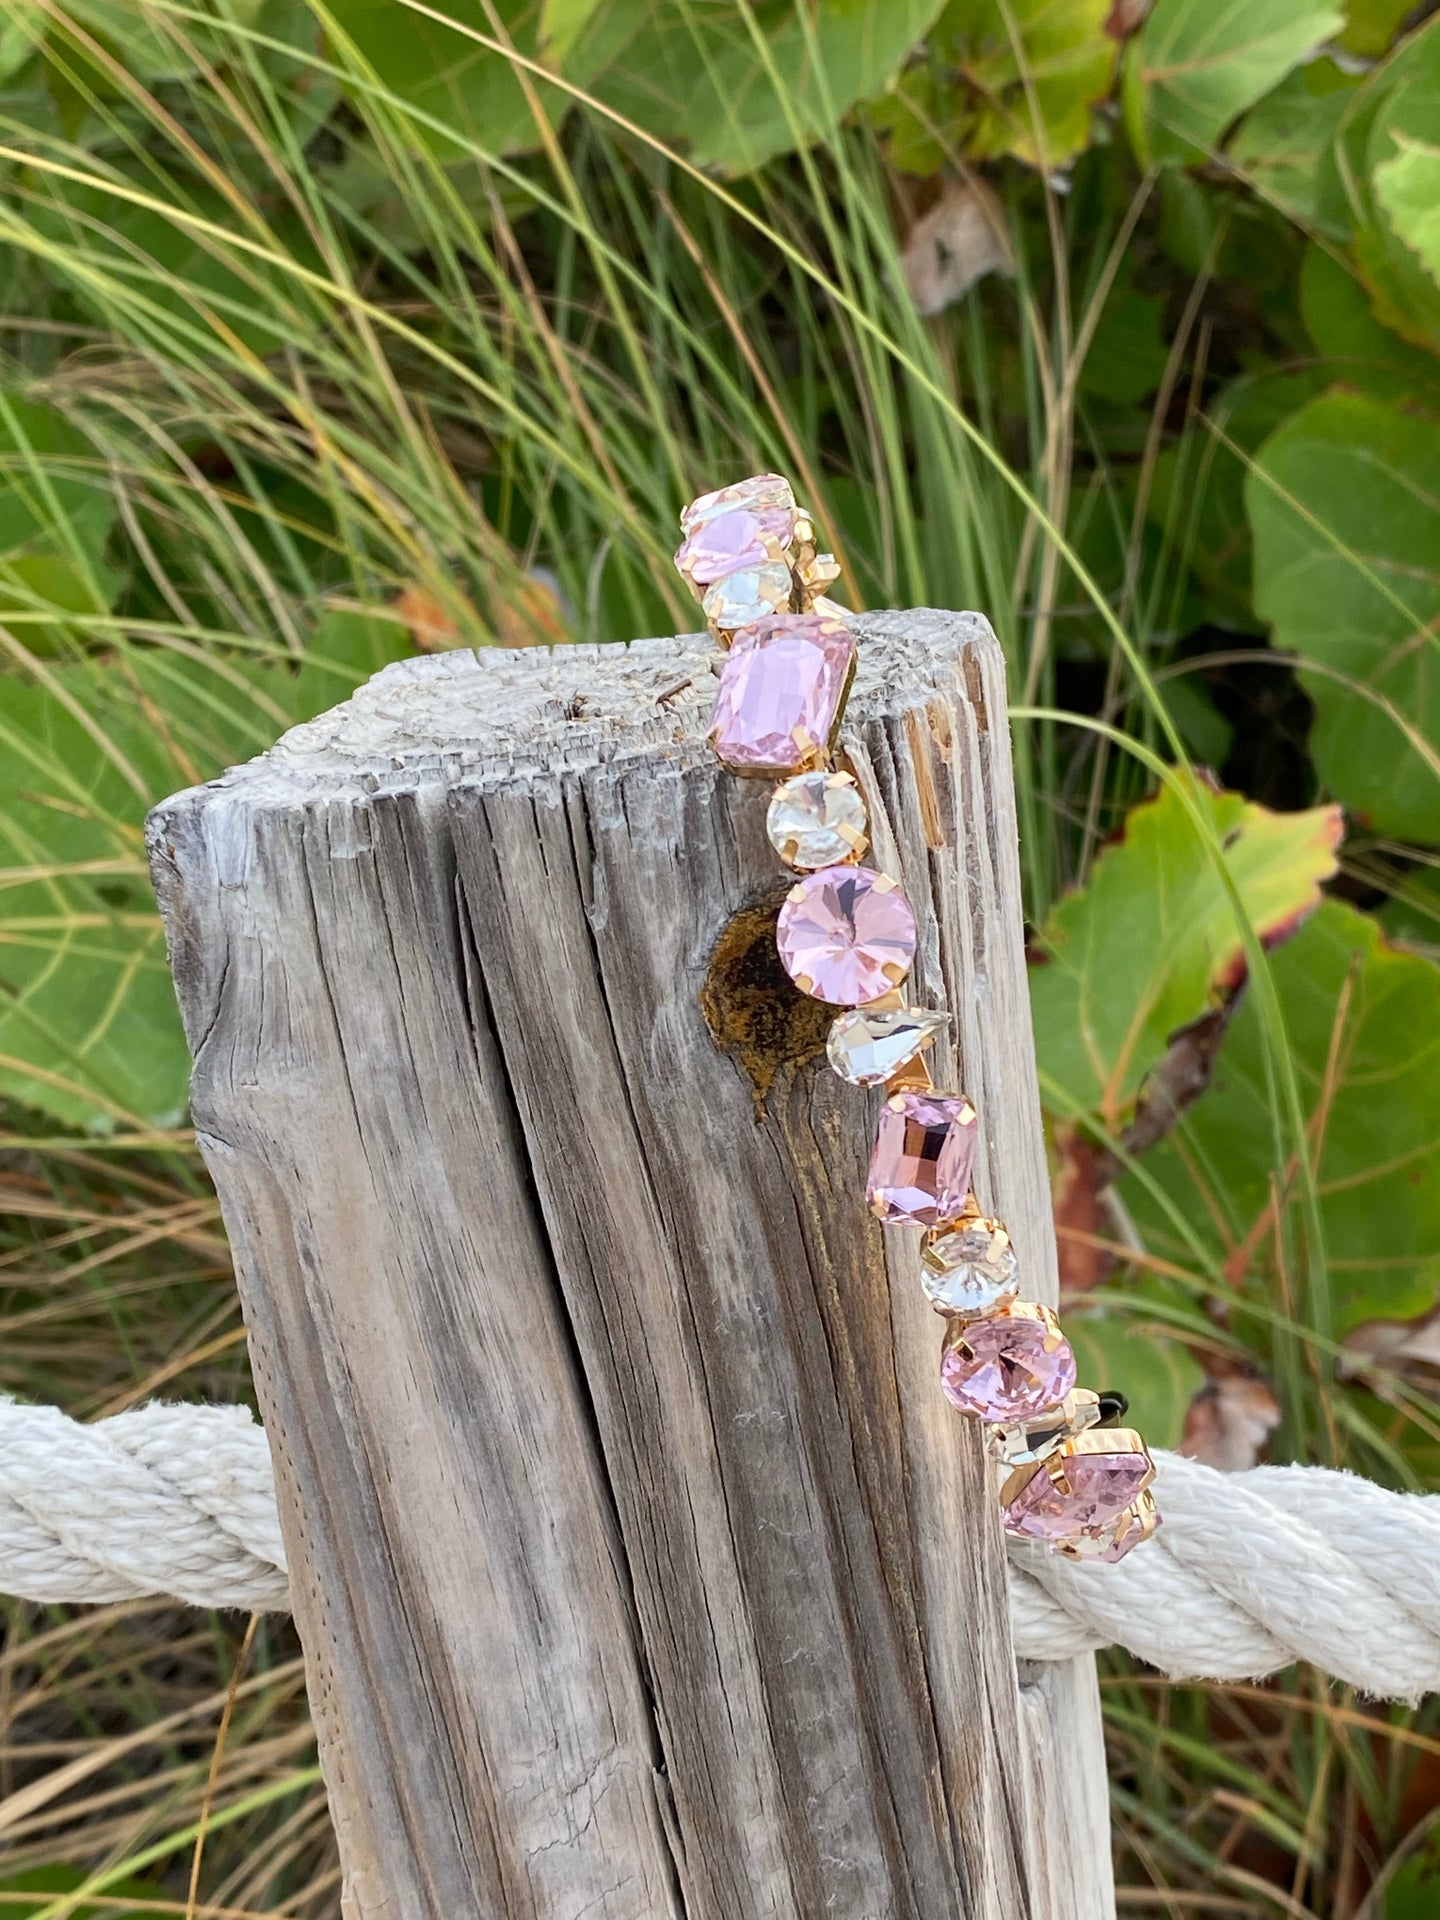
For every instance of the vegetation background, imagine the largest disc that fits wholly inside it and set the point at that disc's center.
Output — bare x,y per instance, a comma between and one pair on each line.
333,330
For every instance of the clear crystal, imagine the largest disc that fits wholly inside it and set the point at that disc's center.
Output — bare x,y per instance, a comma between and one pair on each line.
817,820
1023,1442
970,1269
866,1047
748,595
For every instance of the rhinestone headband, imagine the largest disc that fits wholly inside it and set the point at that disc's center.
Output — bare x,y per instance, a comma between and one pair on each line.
846,936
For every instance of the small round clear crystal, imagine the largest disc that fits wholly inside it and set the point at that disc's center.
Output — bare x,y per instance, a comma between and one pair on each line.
817,820
867,1046
744,597
970,1269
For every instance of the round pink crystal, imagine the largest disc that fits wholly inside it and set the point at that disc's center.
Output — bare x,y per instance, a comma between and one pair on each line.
732,541
1007,1368
1101,1486
846,935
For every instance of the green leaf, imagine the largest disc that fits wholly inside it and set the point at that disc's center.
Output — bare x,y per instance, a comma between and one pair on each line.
1338,318
1398,103
20,33
1198,495
1408,190
1282,146
1204,729
1157,1373
1370,25
446,74
88,1026
1411,916
33,586
695,71
1414,1892
561,24
1198,64
1211,231
152,45
1150,942
52,487
1362,1021
1127,356
46,1882
1031,72
1343,506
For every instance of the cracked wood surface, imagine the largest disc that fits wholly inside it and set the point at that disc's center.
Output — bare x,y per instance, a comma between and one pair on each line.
642,1569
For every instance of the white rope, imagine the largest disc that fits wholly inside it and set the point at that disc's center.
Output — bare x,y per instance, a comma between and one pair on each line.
1249,1572
164,1500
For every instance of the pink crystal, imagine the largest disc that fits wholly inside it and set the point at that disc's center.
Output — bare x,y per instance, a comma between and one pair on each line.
846,935
924,1153
781,690
760,490
1007,1368
1116,1548
730,541
1101,1486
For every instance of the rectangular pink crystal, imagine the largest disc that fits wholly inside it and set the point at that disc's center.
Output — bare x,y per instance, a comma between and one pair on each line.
924,1156
781,692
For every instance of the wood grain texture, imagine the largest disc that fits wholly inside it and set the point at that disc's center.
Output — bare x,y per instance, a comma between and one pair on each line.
641,1567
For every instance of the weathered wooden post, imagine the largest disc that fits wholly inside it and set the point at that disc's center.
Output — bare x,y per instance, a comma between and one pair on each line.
641,1568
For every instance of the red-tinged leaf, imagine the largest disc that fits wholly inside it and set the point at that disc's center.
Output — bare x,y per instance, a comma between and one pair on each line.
1152,942
1361,1021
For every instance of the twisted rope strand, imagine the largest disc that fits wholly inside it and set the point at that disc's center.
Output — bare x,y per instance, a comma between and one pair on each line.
1250,1571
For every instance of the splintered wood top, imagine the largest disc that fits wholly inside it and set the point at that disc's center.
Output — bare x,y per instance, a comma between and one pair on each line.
505,716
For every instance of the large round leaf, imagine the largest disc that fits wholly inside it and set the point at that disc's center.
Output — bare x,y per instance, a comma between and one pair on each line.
444,72
1362,1021
1385,150
1152,942
1344,503
1033,71
738,96
1198,64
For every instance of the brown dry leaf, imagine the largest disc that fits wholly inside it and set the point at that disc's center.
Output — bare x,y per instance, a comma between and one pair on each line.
1124,17
1084,1201
1179,1078
959,241
1229,1421
532,613
1409,1348
1082,1218
430,626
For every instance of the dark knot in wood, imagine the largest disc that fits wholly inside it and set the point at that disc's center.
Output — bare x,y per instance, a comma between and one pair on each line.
752,1008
